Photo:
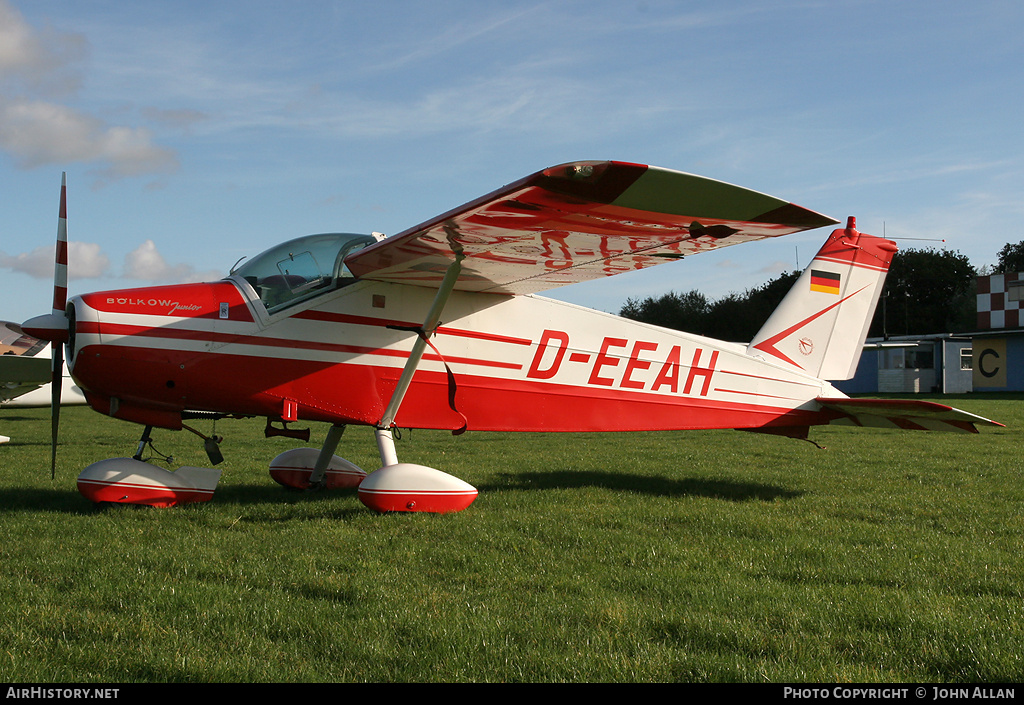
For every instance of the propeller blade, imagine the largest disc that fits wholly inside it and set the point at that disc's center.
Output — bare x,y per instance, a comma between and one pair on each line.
54,326
60,264
56,383
60,302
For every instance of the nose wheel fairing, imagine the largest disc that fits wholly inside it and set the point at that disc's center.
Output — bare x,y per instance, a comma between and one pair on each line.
130,481
395,487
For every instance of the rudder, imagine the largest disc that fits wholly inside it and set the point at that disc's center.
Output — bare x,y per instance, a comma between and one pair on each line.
821,325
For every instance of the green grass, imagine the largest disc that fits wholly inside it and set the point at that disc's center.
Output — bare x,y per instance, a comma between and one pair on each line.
701,556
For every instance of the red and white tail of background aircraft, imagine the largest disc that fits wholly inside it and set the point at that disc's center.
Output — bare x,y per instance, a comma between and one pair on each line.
441,327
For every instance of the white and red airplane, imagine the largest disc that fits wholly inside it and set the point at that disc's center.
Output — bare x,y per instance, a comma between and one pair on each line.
441,327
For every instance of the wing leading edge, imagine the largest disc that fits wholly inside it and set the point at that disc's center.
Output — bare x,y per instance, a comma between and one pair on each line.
577,222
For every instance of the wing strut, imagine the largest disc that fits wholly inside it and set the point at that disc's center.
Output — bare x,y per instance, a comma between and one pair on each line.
323,460
385,440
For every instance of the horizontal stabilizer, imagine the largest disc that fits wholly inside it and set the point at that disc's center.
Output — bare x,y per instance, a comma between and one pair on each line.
906,414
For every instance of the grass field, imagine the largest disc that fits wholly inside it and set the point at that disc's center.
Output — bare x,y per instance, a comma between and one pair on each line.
701,557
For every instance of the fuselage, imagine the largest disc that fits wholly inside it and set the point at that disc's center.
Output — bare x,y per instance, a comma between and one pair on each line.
335,353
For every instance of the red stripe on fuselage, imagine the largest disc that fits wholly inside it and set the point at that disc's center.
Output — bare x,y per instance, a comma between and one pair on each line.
350,319
204,336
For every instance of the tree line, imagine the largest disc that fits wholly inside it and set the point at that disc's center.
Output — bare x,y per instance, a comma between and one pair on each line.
926,291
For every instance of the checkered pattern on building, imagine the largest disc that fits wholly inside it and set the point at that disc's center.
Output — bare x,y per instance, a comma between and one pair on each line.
995,309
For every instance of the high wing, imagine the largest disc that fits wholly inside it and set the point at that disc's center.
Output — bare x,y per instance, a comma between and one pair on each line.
577,222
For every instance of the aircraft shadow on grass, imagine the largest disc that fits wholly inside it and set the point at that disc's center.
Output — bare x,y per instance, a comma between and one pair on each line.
648,485
14,500
70,502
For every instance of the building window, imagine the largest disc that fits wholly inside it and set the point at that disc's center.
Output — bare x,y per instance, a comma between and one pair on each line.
965,359
920,358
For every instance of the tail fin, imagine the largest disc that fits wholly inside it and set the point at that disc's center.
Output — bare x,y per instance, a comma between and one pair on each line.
821,325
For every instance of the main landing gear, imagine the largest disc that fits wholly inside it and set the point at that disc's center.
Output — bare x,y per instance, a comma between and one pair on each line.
395,487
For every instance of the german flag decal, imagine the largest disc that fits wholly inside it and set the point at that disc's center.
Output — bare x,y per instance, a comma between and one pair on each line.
825,282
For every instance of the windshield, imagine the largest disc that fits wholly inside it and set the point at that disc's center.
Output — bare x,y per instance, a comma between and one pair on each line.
300,268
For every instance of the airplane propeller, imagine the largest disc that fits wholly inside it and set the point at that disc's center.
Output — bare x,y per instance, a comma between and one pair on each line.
56,382
54,325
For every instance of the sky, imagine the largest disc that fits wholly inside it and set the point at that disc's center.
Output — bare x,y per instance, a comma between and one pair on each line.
196,133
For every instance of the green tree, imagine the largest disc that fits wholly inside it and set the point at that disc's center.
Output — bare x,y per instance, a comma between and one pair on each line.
1011,258
738,317
687,311
926,291
735,317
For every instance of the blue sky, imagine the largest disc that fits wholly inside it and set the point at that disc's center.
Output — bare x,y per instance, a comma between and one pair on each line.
194,133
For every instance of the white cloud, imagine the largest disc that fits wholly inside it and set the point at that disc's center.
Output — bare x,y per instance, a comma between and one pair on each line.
36,130
146,263
37,58
85,261
38,133
38,263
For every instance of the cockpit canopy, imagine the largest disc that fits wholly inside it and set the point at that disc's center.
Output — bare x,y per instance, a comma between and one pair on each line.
302,268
